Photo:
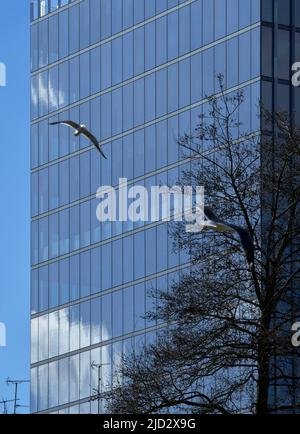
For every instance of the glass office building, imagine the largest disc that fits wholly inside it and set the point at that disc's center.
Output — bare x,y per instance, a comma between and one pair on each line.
137,73
280,49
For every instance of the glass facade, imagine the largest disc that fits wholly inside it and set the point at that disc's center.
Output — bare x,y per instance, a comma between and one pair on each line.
137,73
280,49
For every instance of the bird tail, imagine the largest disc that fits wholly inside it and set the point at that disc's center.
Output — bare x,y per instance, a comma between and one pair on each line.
101,152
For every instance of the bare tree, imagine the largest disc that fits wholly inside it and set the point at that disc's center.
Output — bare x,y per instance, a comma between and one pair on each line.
226,347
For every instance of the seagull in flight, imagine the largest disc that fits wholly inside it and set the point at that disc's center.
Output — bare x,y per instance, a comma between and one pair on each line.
213,222
81,129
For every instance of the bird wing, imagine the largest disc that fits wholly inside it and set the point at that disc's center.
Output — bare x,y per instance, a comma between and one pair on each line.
210,215
245,237
93,139
71,124
246,241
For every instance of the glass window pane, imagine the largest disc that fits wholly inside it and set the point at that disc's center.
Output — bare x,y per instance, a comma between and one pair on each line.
283,48
63,331
43,142
74,80
106,317
95,320
74,374
43,289
74,176
96,270
85,224
34,47
84,15
95,67
64,183
43,191
53,384
34,296
34,194
43,43
95,224
85,274
74,277
128,259
42,387
117,308
74,228
63,381
139,255
64,279
63,84
64,231
43,337
53,334
34,242
53,187
74,327
244,58
43,239
34,340
139,307
95,21
184,30
63,34
53,38
85,324
128,311
84,75
105,18
161,40
85,374
128,63
232,16
127,13
106,262
85,184
73,31
53,285
117,263
34,146
34,98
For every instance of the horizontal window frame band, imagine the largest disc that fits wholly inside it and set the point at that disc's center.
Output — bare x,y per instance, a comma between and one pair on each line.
91,297
114,289
52,410
122,234
115,186
99,244
144,331
112,340
76,2
110,38
147,124
135,180
57,11
144,74
99,345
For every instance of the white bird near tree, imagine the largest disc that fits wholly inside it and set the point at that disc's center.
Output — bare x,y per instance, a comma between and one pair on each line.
213,222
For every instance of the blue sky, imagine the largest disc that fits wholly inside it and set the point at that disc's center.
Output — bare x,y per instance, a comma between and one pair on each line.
15,192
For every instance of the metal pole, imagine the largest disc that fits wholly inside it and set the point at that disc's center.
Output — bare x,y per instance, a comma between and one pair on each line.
16,383
4,403
99,385
98,390
16,397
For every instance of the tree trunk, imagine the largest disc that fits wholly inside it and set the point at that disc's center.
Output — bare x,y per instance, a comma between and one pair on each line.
262,405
